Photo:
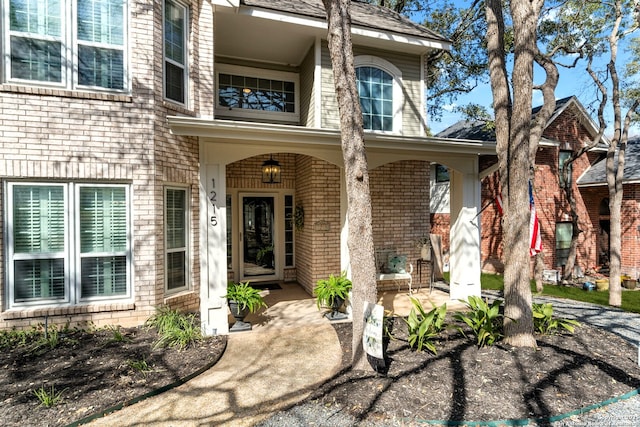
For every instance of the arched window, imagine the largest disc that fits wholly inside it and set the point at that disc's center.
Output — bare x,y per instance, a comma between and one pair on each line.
379,89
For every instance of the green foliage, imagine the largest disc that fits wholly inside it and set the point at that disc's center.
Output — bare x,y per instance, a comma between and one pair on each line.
48,398
546,324
15,338
327,290
175,329
116,334
423,327
484,320
140,365
245,296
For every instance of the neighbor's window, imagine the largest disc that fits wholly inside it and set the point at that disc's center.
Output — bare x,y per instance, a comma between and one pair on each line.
563,156
257,93
564,230
175,51
69,44
442,173
177,238
67,243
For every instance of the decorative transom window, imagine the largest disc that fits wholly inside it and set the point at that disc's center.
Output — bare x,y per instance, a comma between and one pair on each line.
256,93
67,243
380,94
175,51
176,238
65,43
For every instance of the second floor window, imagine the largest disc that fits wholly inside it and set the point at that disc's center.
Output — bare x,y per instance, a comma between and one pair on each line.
69,44
175,51
563,156
257,94
376,98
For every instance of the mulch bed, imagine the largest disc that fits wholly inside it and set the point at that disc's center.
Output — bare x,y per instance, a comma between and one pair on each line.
94,372
465,383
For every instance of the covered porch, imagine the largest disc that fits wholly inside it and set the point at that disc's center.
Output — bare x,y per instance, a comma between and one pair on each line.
231,151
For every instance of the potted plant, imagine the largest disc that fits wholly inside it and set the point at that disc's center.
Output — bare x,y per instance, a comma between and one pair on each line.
242,300
332,293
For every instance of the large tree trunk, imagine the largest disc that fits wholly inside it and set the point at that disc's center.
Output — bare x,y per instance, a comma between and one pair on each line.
513,123
360,237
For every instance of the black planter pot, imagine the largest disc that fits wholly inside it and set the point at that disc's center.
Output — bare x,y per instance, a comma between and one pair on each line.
335,313
239,314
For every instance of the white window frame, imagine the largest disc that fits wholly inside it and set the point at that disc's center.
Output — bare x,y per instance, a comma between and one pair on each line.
165,59
69,50
396,74
258,73
71,255
187,241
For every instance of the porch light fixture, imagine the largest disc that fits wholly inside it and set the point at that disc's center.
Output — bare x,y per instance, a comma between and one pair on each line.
271,171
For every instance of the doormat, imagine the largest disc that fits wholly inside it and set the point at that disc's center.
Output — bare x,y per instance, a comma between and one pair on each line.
266,286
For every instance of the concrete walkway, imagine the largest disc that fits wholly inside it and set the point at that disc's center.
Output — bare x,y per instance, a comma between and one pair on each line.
291,350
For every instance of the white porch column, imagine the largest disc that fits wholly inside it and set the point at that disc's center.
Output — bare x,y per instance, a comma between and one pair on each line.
213,250
464,256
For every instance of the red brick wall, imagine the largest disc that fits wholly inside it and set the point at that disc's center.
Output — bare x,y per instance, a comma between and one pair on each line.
551,203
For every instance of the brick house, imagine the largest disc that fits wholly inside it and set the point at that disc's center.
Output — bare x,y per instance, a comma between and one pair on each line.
569,128
593,187
152,151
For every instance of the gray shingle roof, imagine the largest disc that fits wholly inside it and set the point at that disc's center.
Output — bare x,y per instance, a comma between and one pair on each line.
477,130
362,15
597,174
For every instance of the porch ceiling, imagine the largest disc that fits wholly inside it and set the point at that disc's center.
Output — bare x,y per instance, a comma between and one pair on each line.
270,138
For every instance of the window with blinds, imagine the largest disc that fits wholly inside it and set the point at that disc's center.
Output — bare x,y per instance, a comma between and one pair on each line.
39,230
103,241
176,238
68,243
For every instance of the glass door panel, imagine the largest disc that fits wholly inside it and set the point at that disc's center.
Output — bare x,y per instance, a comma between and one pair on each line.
258,260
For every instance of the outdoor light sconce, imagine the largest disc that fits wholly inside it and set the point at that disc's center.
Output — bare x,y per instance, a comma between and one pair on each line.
271,171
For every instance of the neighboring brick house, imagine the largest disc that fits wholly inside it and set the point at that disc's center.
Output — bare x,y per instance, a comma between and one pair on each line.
151,151
568,129
593,186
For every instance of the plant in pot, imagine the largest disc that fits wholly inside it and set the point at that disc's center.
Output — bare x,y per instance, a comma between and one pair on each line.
332,293
243,299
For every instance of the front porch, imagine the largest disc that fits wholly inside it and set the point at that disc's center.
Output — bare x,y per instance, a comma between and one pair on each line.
292,305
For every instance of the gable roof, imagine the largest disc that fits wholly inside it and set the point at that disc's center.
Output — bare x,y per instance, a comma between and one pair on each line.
478,129
597,173
363,15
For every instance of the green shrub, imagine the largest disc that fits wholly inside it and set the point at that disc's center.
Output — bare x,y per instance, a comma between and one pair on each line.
423,327
484,320
175,329
48,398
245,296
326,290
544,322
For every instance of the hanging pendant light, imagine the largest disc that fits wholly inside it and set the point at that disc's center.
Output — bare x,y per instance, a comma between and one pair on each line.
271,171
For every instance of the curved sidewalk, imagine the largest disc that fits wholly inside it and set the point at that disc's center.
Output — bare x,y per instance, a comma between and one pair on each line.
261,372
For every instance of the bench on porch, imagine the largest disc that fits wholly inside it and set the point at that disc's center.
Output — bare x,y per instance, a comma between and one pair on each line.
392,270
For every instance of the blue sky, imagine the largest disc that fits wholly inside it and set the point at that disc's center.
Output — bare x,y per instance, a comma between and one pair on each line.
573,81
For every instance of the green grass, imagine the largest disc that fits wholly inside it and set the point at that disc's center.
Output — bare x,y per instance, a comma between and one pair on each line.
630,299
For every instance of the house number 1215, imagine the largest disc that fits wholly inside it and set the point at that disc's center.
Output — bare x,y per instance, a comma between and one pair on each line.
213,198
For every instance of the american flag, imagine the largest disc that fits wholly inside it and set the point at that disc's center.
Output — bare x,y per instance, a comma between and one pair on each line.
534,226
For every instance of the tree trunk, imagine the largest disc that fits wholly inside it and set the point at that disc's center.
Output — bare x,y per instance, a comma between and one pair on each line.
360,237
512,137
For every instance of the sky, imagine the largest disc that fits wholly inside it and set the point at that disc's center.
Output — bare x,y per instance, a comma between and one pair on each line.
574,81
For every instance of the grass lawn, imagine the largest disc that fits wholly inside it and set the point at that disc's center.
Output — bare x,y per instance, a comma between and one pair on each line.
630,299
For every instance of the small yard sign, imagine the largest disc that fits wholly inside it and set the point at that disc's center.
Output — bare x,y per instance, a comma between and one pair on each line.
372,336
